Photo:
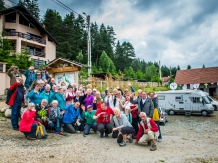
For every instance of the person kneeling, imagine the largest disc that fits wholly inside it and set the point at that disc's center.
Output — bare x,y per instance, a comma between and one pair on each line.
54,117
148,130
29,123
72,119
123,128
103,123
90,122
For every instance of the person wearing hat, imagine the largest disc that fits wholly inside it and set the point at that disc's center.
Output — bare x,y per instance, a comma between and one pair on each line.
37,80
30,77
13,73
69,95
45,74
90,122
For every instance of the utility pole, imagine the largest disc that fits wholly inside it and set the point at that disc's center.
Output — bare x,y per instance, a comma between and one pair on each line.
89,48
160,70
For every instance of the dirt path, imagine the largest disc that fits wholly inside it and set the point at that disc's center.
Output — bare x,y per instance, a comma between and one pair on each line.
185,139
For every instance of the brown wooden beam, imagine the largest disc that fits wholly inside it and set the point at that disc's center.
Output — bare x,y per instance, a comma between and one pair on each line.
65,69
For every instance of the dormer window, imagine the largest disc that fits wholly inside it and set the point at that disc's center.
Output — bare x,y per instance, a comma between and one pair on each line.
11,17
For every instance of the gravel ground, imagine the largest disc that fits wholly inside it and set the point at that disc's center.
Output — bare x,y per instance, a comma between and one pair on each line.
185,139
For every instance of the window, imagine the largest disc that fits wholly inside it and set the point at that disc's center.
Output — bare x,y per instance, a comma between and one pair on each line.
195,99
1,67
38,63
161,97
11,17
23,20
179,98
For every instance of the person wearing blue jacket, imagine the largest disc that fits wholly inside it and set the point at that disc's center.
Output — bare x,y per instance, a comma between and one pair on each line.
72,119
30,77
34,95
59,96
47,94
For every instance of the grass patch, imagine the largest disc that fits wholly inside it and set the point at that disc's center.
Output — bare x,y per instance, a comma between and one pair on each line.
2,114
184,139
207,160
161,160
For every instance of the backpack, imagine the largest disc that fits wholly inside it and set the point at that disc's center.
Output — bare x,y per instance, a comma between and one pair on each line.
41,132
155,116
9,94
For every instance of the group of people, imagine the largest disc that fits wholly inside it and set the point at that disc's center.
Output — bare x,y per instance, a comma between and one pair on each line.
80,109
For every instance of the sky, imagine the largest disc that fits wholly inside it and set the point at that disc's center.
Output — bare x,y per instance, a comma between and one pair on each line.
175,32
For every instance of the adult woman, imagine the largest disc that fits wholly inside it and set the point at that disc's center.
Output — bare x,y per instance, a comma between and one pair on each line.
34,95
28,123
54,116
89,98
69,95
122,129
47,94
59,96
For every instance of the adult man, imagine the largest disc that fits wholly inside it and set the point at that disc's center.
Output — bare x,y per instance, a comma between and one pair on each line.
139,93
90,122
147,131
30,77
117,99
41,111
103,120
37,80
156,114
72,118
45,74
145,104
15,101
13,73
122,129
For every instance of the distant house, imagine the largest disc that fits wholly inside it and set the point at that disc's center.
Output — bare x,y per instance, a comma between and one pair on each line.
206,77
27,34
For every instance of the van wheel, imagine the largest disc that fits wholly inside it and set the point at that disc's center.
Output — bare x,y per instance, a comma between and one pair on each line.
171,112
204,113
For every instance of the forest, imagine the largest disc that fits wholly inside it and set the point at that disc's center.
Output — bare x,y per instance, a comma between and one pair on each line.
108,54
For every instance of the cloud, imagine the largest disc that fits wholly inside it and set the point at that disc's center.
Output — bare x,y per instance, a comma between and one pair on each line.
175,32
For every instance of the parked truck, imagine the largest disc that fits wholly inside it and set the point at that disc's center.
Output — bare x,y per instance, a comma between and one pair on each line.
185,101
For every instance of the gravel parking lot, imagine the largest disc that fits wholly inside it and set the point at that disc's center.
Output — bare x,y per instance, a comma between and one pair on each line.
185,139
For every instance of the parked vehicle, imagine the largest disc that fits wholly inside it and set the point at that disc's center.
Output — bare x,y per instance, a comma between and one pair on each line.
163,116
212,101
185,101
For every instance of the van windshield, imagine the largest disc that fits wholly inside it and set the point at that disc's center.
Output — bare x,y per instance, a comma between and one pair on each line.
210,99
206,100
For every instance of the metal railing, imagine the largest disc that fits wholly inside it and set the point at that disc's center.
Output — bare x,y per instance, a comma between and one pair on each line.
27,36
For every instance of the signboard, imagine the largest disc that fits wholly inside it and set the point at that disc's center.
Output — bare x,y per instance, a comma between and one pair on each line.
68,78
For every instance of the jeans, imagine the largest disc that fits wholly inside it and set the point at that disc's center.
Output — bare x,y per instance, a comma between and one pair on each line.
15,114
107,128
135,122
53,125
69,128
88,127
32,133
158,125
124,131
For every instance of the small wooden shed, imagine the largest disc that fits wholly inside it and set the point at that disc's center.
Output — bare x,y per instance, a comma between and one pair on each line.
64,70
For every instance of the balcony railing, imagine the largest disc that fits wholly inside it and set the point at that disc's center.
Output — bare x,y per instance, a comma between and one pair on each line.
27,36
34,52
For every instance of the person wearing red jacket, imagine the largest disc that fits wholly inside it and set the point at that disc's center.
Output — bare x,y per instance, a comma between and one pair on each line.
103,120
29,123
148,130
15,101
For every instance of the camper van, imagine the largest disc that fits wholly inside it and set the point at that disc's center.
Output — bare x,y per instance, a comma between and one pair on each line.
185,101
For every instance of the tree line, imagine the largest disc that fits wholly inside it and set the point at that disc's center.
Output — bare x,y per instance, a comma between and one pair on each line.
107,53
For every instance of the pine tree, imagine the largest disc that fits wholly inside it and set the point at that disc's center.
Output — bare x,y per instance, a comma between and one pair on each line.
188,67
203,66
79,57
2,3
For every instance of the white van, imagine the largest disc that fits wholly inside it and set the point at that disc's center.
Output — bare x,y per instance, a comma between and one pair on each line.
185,101
212,101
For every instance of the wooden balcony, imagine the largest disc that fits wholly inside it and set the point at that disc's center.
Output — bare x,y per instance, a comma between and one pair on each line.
34,52
27,36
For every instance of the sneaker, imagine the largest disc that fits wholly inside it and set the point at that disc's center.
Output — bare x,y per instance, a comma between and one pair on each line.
122,143
106,135
130,138
101,136
153,147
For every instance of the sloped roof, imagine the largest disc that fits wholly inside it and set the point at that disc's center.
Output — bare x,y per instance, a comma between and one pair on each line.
199,75
31,18
66,60
165,79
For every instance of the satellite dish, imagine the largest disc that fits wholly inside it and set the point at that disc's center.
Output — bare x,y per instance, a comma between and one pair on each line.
195,86
173,86
184,87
